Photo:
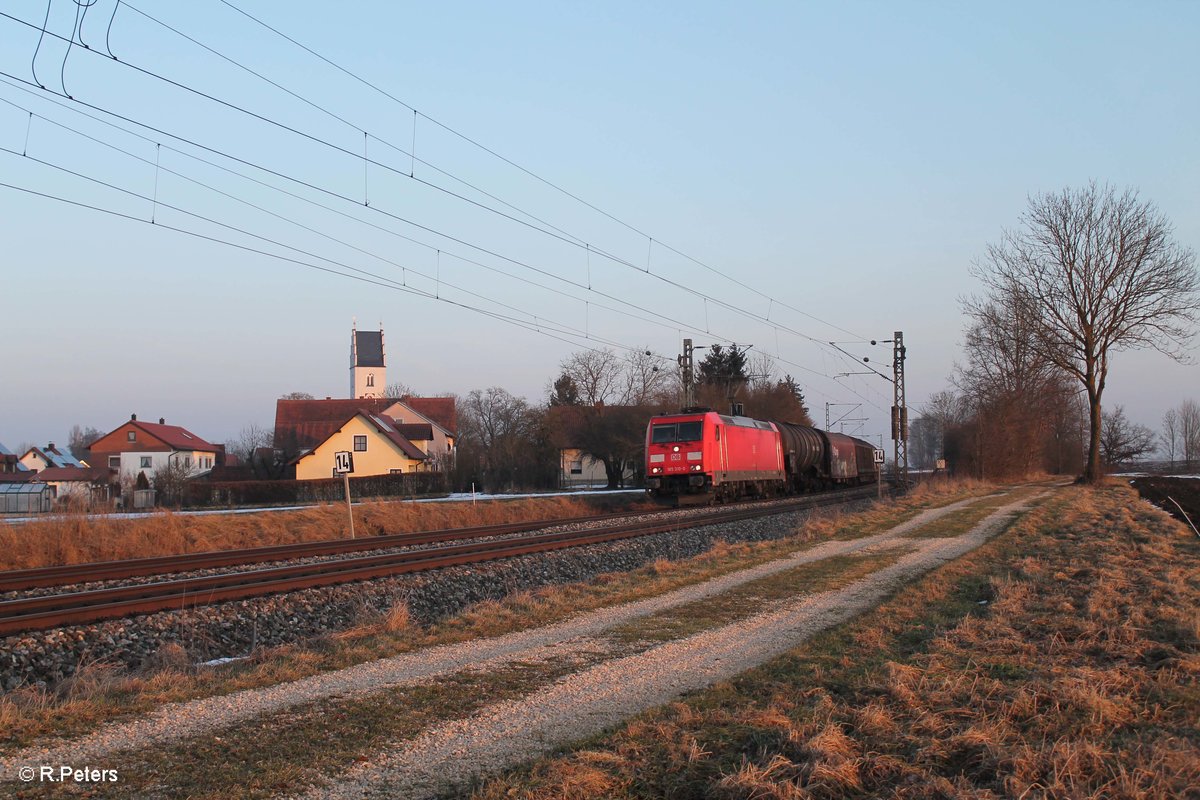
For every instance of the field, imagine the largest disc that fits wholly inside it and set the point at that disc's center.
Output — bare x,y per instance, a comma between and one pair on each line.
76,538
1161,491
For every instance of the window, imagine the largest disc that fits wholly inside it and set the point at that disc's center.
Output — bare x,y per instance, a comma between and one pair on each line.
577,467
114,462
145,462
661,434
681,432
131,436
396,471
370,379
360,444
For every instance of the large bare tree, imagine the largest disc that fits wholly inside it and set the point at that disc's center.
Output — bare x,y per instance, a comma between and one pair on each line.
602,401
1097,272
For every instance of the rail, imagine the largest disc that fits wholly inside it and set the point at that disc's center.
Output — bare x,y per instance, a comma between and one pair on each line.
49,611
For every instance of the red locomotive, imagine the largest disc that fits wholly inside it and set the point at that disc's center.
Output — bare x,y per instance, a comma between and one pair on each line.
701,453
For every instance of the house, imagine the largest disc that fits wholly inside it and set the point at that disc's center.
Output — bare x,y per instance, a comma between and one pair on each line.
427,422
578,469
377,446
38,459
85,485
586,435
11,466
145,447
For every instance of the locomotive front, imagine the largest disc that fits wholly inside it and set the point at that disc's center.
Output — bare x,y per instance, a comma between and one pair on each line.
675,455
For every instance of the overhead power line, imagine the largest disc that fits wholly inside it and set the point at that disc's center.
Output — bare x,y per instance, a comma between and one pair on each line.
474,142
716,301
564,238
379,210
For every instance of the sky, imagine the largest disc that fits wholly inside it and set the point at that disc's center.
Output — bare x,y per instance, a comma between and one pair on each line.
619,174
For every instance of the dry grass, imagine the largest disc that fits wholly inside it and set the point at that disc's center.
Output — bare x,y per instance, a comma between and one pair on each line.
1061,660
31,713
76,538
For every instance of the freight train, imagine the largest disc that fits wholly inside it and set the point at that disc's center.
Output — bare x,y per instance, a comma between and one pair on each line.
699,455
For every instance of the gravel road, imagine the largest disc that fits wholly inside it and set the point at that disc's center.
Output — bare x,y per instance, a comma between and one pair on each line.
585,703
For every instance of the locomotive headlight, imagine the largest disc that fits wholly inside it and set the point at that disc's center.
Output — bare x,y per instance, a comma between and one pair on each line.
655,470
675,449
696,467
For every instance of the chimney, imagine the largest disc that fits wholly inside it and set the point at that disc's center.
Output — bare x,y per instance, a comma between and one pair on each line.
133,417
162,420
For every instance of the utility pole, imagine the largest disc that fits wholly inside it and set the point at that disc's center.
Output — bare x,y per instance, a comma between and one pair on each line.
687,374
899,409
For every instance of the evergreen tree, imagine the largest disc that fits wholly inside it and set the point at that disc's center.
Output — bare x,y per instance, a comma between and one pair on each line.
724,368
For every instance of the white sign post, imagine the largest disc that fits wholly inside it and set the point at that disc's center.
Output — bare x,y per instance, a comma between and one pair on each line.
879,457
343,464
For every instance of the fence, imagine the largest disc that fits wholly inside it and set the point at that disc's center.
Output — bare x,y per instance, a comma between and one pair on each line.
199,494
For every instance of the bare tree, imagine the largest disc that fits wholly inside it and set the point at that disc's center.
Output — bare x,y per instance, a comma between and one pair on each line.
597,375
81,438
602,402
1096,272
254,448
1189,431
297,396
1123,440
171,479
645,378
398,391
1168,439
502,442
1009,385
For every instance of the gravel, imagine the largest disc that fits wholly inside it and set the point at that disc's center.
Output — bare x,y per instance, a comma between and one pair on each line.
238,628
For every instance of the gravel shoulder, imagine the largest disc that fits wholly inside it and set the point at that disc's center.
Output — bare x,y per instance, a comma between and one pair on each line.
179,721
587,702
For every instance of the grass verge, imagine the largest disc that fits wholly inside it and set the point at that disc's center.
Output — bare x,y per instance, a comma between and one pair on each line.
76,538
1059,660
955,523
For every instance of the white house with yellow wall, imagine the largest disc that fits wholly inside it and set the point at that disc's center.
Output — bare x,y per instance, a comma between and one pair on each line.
378,449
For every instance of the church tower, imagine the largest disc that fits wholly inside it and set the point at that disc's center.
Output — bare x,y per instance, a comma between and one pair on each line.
368,373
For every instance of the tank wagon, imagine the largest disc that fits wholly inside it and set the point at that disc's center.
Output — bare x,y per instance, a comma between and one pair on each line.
699,455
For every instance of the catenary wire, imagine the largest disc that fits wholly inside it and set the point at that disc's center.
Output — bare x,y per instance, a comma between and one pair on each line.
474,142
314,187
378,279
689,289
567,240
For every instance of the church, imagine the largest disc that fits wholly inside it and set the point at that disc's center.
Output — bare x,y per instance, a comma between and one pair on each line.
368,368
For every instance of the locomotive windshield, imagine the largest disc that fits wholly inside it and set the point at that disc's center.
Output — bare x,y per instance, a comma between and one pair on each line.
676,432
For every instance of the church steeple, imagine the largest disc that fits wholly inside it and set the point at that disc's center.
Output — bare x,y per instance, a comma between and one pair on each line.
368,370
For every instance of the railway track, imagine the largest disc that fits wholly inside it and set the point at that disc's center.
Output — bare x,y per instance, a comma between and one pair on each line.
55,610
39,577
